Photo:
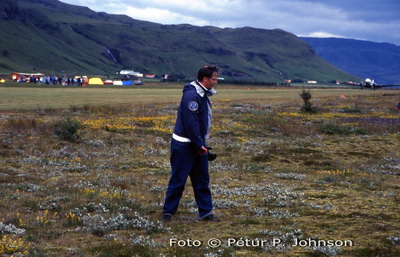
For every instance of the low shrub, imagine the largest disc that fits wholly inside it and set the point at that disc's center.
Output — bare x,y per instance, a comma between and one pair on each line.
307,106
334,129
68,129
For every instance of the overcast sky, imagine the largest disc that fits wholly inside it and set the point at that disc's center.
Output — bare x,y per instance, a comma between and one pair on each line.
372,20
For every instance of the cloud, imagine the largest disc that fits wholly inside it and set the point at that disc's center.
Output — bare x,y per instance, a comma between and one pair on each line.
82,2
162,16
321,34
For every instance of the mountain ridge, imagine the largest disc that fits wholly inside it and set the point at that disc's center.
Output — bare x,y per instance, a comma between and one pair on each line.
365,59
51,36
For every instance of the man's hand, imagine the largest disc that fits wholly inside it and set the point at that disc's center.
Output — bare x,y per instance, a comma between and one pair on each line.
203,151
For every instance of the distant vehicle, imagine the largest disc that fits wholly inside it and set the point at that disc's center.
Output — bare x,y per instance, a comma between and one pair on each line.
108,82
369,83
350,83
131,73
137,82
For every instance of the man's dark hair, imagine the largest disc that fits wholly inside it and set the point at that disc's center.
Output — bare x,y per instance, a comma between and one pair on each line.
206,72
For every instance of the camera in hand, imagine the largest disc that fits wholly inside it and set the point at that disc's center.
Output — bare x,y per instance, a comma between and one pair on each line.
211,156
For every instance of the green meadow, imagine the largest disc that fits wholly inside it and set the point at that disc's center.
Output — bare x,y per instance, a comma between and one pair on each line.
84,173
20,96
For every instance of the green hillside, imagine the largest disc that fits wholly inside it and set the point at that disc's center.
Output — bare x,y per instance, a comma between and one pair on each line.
51,36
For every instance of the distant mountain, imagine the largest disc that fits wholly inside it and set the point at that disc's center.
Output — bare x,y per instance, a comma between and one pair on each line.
365,59
54,37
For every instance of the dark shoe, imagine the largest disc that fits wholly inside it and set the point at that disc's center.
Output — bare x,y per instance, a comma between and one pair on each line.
211,218
167,217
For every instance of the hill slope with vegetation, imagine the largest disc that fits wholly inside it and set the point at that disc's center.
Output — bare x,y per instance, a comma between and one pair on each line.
51,36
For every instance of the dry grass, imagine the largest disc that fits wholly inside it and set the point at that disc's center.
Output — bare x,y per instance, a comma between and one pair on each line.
279,175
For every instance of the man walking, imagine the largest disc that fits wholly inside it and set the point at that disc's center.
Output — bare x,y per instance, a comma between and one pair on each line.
189,153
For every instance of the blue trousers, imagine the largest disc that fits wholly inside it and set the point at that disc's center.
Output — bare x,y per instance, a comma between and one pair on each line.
185,162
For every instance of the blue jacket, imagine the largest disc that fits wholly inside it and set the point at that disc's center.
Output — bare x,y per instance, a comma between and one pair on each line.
194,114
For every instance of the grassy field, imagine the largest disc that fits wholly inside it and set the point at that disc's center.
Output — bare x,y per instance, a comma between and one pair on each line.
26,96
84,172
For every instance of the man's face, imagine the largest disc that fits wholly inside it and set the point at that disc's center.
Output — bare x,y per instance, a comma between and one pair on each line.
210,82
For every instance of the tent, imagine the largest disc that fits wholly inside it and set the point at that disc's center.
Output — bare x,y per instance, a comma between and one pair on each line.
95,81
127,82
117,83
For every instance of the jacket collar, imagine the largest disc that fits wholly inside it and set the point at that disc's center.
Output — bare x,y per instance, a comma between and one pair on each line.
202,90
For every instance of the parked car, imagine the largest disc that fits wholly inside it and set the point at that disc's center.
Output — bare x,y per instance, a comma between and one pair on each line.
137,82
